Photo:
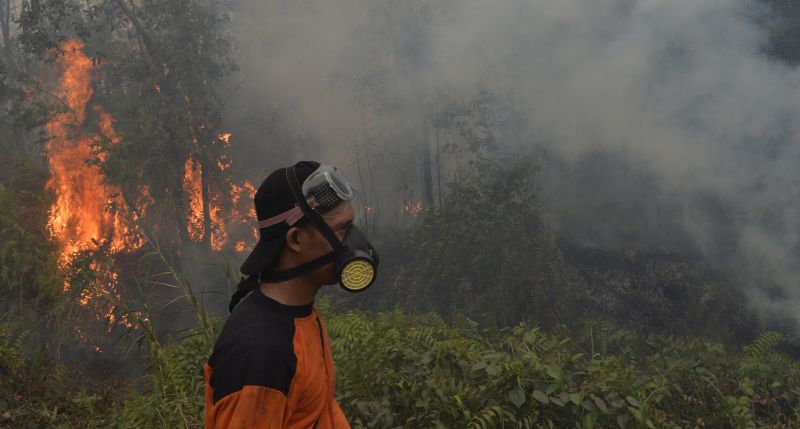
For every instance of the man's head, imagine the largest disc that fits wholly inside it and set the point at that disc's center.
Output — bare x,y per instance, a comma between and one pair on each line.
294,239
306,230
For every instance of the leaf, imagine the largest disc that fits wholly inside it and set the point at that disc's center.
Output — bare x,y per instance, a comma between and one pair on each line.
540,396
576,398
530,336
631,400
479,365
601,404
517,397
555,371
553,387
589,420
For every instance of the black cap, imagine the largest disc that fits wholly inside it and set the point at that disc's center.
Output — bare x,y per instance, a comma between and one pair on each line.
274,197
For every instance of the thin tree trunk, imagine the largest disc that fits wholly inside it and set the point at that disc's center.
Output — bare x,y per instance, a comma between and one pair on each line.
438,154
5,23
427,175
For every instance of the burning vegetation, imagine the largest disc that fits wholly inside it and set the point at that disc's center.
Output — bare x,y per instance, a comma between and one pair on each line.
89,213
81,217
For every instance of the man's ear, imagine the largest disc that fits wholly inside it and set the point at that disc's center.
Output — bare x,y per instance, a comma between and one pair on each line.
293,238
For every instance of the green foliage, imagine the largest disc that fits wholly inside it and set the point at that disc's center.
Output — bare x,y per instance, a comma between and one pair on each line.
399,371
11,357
29,275
176,399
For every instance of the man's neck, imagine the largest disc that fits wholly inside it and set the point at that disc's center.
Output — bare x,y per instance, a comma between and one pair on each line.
298,291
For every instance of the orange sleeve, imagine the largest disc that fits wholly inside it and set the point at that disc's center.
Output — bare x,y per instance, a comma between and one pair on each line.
339,419
253,407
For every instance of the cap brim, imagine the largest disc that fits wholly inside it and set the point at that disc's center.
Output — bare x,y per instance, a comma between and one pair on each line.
263,256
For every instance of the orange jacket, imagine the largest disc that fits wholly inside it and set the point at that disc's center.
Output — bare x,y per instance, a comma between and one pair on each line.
272,368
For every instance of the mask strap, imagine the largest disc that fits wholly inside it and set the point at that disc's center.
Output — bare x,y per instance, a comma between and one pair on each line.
251,283
279,276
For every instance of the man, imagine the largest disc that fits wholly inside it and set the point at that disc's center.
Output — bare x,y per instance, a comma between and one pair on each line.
272,365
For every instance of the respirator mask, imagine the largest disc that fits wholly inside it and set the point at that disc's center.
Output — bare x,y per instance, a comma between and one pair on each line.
355,261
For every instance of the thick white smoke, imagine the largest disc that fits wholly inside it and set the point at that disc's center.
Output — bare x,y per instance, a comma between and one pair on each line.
664,122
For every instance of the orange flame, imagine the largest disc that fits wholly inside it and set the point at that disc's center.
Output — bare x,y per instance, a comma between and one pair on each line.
79,218
219,234
244,213
412,208
224,163
193,189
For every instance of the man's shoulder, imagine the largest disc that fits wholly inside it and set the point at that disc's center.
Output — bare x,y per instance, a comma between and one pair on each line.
254,348
251,330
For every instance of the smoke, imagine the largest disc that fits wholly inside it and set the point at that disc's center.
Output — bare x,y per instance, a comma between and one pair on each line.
663,122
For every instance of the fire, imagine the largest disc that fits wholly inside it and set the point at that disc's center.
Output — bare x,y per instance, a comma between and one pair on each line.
88,213
193,189
79,217
244,212
224,164
219,233
240,215
412,208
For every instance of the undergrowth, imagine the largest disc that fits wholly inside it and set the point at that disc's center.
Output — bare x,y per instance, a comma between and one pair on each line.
395,370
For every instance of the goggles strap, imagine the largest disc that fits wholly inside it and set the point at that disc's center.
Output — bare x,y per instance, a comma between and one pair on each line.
289,216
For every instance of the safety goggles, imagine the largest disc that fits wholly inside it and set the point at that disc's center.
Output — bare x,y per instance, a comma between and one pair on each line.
326,188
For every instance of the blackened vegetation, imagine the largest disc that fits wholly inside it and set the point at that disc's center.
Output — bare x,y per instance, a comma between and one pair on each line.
660,292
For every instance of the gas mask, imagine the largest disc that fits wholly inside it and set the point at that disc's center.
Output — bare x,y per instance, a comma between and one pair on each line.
355,261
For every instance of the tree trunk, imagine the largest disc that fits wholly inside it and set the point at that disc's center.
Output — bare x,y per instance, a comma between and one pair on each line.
438,153
5,23
427,164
